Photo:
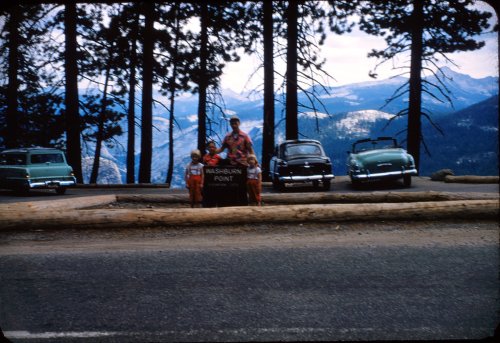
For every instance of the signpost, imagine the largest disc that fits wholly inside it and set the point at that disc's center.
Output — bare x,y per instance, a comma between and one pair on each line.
225,186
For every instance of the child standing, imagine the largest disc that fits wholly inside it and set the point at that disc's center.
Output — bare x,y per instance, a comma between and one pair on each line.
254,181
211,158
194,179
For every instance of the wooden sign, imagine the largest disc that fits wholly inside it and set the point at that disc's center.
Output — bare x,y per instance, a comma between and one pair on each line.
225,186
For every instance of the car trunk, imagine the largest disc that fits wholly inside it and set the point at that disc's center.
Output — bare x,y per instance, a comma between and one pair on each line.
308,166
381,161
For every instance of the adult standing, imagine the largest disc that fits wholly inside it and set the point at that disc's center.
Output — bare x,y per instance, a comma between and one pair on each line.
238,143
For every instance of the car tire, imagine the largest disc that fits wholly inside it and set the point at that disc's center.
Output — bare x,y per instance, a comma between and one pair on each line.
326,185
278,185
407,180
356,184
61,190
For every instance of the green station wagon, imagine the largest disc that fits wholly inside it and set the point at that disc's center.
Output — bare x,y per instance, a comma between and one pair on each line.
35,168
379,159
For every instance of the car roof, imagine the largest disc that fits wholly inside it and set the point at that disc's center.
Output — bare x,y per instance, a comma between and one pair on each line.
29,150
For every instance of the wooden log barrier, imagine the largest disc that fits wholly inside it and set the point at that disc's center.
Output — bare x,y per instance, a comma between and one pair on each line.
471,179
323,198
118,218
58,204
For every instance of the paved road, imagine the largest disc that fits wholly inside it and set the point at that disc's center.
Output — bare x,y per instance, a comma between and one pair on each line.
340,185
391,281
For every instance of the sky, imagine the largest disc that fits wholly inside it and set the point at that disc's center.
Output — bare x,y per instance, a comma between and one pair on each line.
347,61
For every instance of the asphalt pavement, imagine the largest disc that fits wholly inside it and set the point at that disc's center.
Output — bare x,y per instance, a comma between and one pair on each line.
341,184
385,281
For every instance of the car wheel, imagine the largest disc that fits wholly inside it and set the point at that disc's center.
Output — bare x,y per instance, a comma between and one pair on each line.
23,190
278,185
326,185
407,180
61,190
356,184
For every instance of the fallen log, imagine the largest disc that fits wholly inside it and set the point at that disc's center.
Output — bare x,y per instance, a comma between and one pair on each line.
154,198
59,204
115,218
471,179
323,197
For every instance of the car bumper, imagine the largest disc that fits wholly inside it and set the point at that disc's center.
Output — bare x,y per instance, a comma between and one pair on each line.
308,178
384,175
51,183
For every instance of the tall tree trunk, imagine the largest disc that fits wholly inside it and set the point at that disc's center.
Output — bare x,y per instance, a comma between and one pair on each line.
414,133
203,83
147,96
100,128
131,105
292,125
172,88
12,130
72,113
268,120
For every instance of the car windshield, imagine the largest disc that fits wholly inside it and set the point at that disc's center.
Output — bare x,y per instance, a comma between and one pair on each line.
374,144
44,158
13,159
302,149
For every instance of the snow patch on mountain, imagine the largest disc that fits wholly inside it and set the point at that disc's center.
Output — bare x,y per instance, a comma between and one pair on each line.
357,123
318,115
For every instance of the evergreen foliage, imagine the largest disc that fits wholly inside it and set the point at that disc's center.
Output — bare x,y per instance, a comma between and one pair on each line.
71,73
424,30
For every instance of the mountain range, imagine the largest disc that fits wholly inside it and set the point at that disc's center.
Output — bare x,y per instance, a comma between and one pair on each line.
345,114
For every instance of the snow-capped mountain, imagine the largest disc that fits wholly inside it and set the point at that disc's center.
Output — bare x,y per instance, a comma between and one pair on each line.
348,113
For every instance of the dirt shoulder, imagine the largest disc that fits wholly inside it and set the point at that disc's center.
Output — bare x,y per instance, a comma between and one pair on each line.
265,236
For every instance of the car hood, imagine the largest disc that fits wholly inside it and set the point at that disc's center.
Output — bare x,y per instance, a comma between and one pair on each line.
373,157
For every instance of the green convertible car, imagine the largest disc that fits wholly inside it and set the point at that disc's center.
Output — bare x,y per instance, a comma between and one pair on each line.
23,169
379,159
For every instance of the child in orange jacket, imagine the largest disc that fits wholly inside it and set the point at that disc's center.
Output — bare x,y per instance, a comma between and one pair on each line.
211,158
194,179
254,181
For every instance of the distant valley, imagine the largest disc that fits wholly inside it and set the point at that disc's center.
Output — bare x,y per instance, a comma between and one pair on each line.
345,114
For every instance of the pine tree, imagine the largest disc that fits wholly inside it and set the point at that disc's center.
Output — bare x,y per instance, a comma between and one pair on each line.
31,103
147,94
425,29
72,110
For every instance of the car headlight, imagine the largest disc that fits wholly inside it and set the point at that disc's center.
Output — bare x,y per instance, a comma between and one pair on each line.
356,167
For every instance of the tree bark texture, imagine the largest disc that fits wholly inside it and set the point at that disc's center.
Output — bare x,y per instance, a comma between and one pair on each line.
203,81
268,120
292,125
432,210
72,113
414,133
131,104
147,96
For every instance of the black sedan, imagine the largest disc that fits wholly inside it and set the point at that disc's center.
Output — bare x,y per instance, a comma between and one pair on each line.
299,161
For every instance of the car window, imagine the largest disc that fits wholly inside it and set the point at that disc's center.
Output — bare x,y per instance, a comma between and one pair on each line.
13,159
375,144
44,158
302,149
